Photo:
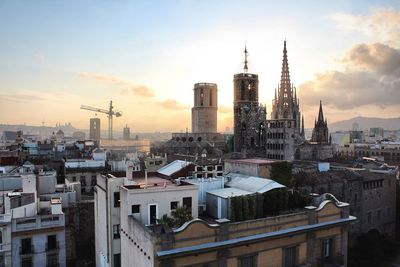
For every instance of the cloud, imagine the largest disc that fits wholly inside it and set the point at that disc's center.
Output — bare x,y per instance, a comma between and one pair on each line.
377,57
21,98
172,104
382,25
371,77
126,87
27,96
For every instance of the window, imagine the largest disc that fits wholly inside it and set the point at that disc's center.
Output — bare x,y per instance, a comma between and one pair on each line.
153,214
52,260
135,209
187,203
116,199
83,180
327,246
116,231
174,205
378,215
26,246
117,260
369,217
26,262
290,257
51,242
1,237
248,261
93,180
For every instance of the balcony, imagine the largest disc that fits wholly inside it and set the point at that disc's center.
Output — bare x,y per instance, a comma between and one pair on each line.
53,264
37,222
25,250
52,246
333,261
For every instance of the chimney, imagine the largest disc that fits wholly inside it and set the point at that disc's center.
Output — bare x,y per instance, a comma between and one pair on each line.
129,170
145,178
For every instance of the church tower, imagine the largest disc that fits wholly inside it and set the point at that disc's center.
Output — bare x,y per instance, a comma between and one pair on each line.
249,116
205,108
284,130
320,133
286,104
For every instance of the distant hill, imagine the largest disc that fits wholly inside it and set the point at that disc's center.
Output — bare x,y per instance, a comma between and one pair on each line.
32,129
366,123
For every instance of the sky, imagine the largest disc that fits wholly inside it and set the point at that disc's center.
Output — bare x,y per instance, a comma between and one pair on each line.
146,56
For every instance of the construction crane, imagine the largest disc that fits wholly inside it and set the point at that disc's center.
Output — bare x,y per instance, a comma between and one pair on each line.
110,114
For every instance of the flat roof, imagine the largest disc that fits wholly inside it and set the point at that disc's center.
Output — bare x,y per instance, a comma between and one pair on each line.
153,182
252,183
253,161
173,167
229,192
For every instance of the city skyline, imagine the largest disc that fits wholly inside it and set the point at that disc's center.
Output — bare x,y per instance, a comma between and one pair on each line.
147,58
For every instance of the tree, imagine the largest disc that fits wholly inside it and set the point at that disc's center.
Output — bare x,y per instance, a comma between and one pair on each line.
281,172
178,217
181,215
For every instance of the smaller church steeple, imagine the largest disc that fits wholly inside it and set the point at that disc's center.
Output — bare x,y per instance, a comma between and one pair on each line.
320,131
320,113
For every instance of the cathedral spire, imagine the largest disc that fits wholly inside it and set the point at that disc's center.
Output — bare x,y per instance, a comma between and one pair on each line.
320,113
302,126
285,75
245,67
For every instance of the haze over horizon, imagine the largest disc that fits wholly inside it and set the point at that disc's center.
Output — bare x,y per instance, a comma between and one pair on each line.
146,57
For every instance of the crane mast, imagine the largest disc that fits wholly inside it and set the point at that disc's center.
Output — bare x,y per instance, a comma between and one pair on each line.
110,114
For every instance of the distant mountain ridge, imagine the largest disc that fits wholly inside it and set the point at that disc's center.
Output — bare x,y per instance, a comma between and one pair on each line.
366,123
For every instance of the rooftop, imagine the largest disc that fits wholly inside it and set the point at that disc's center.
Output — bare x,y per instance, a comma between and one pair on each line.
173,167
252,161
251,183
153,182
229,192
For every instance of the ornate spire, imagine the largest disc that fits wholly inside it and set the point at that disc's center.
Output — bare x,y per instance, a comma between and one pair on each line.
285,75
302,125
245,67
320,113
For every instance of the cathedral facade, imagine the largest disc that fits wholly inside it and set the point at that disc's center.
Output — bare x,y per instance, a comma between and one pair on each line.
282,136
254,135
